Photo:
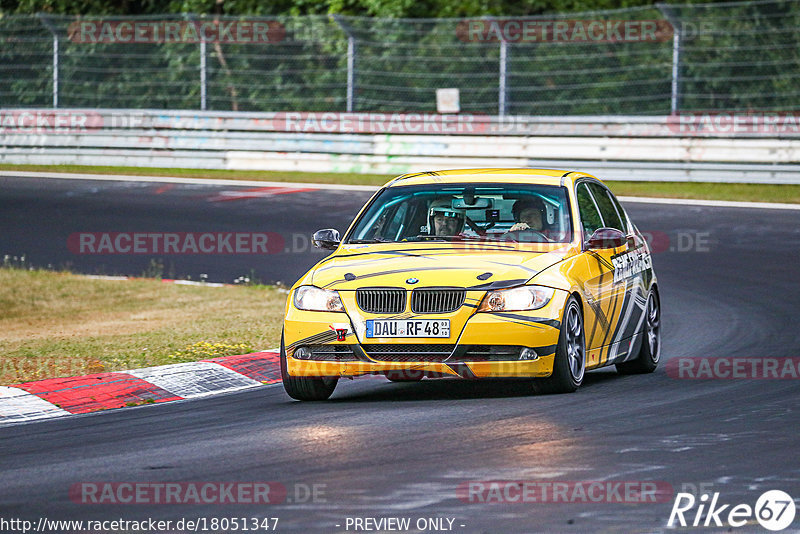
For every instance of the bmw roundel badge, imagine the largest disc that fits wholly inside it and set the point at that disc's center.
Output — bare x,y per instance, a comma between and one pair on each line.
412,280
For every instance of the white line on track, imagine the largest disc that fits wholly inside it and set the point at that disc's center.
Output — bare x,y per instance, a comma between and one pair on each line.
177,180
368,188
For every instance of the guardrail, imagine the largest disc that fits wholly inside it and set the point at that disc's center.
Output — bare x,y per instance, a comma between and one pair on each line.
758,148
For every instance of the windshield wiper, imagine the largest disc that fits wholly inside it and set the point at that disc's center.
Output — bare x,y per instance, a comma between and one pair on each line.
365,241
422,237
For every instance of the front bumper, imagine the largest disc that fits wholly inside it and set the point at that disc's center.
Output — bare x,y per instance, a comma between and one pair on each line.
484,345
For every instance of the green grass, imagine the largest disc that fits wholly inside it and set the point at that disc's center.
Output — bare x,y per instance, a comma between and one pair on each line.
60,324
705,191
709,191
268,176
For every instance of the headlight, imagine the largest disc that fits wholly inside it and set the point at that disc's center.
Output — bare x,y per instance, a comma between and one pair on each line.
517,299
315,299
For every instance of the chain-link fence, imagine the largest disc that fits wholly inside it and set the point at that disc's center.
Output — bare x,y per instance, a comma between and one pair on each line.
652,60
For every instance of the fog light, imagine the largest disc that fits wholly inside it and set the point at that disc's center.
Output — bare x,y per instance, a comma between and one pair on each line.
303,353
528,354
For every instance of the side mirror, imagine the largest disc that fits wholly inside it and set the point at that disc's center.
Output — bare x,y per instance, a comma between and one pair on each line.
606,238
327,238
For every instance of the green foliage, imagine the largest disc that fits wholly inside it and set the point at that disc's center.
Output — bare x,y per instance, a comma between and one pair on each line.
738,56
372,8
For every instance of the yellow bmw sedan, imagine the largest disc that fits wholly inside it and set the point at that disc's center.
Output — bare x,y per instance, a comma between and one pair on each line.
483,273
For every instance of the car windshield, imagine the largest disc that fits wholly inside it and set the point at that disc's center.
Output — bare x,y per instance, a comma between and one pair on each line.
521,213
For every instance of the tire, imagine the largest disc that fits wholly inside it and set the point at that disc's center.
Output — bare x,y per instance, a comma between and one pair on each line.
305,388
650,351
569,366
404,376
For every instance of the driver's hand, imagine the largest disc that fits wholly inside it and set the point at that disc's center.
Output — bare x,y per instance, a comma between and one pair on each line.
519,226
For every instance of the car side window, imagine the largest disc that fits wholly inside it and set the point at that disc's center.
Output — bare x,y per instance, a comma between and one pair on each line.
622,214
611,218
590,216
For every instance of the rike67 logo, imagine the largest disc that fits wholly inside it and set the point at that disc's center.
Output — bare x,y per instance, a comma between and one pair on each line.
774,510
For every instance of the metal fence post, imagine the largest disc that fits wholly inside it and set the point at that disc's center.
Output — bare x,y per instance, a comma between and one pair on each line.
351,62
676,72
203,65
55,70
351,72
203,75
674,21
502,99
52,29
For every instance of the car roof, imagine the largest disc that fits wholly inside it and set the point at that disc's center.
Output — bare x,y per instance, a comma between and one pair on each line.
500,175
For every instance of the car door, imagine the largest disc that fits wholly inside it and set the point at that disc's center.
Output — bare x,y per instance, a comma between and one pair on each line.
638,274
604,292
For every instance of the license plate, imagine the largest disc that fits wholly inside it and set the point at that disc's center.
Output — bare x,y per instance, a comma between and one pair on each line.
408,328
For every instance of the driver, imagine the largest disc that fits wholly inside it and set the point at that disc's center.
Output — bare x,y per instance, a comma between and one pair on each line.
445,220
528,215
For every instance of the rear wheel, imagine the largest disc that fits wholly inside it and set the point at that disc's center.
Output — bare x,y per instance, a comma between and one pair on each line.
570,361
650,351
305,388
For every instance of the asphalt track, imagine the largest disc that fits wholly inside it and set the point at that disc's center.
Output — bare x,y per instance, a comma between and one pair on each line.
401,450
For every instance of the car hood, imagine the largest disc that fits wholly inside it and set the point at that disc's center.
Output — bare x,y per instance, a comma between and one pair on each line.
469,265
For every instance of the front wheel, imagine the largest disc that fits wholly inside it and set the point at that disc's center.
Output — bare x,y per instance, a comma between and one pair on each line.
650,352
305,388
570,361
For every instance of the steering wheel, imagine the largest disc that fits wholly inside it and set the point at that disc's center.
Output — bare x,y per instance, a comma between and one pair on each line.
532,236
